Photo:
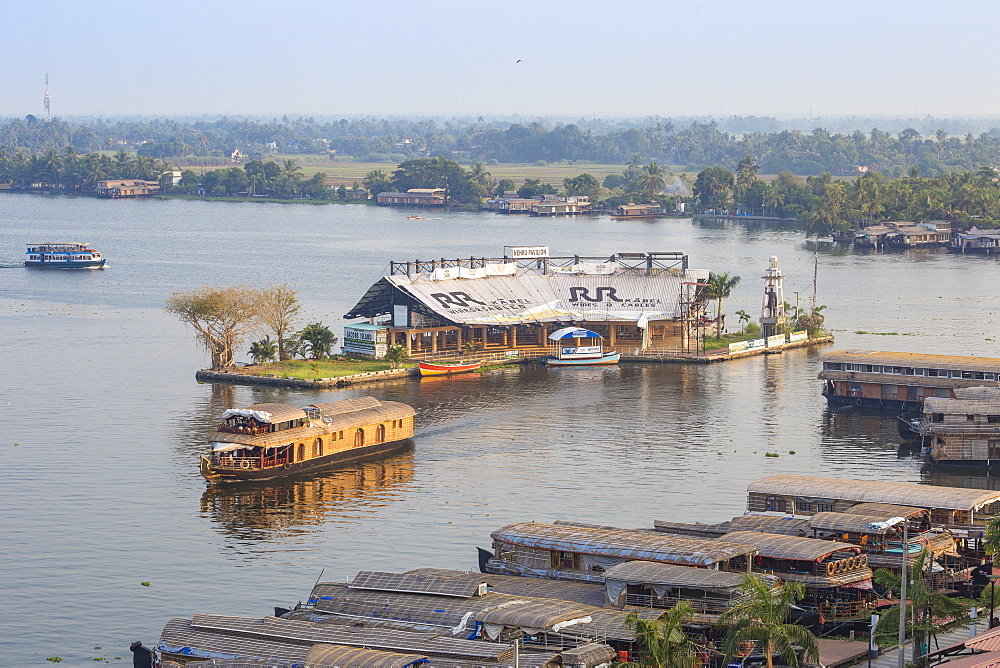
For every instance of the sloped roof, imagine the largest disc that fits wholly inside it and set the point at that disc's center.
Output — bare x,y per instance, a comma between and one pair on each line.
908,494
854,523
649,572
620,543
789,547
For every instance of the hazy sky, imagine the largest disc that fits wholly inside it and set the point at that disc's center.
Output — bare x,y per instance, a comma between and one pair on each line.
329,57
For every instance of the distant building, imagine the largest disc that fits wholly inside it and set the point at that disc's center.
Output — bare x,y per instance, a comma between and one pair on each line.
904,235
414,197
542,205
127,188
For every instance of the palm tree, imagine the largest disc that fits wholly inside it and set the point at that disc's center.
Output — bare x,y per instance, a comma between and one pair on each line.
319,338
663,641
651,180
395,355
720,286
992,542
761,617
744,318
292,169
928,612
263,350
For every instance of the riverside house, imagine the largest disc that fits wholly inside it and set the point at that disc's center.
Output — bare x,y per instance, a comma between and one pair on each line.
414,197
114,189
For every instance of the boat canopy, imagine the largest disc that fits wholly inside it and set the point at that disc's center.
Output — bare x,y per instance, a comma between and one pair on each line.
573,333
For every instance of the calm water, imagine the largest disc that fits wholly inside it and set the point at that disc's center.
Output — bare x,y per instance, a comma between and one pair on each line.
102,420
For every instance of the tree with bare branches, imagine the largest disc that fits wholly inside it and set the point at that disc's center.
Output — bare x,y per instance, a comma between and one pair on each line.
221,317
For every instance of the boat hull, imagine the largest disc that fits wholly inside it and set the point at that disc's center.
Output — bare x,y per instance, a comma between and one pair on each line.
78,264
835,401
215,474
607,358
431,369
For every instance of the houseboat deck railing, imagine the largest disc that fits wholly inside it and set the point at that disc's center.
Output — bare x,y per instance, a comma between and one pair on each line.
698,605
226,462
253,431
637,262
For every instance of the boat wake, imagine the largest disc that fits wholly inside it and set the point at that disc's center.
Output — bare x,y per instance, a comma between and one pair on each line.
10,265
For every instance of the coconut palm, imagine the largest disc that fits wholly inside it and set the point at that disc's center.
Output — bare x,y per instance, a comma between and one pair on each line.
761,617
395,355
319,339
263,350
663,641
292,170
651,180
720,286
992,542
744,318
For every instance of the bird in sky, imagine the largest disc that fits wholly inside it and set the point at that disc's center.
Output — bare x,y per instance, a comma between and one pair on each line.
518,60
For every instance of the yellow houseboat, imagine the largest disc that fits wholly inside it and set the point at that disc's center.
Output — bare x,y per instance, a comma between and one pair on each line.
266,441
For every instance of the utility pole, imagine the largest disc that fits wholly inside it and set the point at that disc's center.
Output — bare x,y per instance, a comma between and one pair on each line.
902,595
815,273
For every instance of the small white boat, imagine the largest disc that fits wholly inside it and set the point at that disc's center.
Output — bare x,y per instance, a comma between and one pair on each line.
576,346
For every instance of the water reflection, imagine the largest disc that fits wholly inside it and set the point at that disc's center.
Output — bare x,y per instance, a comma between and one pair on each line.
267,510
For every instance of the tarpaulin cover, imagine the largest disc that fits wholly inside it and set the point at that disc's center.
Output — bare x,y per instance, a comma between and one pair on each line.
574,333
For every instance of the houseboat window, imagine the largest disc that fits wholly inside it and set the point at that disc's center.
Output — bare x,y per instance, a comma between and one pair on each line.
966,374
942,392
993,447
933,372
803,506
318,447
833,366
993,419
359,438
970,418
302,452
561,559
898,370
822,507
380,433
775,503
340,434
938,417
920,372
890,392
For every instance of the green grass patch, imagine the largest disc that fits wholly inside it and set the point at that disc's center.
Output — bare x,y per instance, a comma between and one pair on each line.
315,369
861,331
715,343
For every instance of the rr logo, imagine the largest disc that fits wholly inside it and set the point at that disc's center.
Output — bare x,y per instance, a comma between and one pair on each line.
578,293
455,299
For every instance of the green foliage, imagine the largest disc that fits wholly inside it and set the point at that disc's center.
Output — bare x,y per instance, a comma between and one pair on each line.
761,617
992,541
54,659
318,339
264,350
663,641
396,355
720,286
714,187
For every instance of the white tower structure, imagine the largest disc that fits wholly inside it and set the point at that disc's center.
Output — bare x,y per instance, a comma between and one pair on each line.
48,101
773,309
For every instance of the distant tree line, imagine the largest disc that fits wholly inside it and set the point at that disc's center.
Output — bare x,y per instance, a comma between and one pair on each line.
694,145
825,204
70,170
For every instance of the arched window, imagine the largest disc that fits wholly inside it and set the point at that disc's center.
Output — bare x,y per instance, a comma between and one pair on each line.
318,447
359,438
302,452
380,433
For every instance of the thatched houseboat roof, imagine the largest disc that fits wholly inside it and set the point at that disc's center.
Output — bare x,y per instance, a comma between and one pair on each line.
650,572
777,546
908,494
588,593
459,585
969,400
623,544
875,525
885,510
790,526
913,360
331,656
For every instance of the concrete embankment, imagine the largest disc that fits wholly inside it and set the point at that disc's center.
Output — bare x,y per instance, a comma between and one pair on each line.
207,376
723,355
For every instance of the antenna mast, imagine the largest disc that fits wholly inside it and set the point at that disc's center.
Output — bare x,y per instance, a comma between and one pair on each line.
815,273
48,101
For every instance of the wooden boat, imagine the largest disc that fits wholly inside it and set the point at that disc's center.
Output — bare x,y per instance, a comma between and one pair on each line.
576,346
415,218
267,441
443,368
63,256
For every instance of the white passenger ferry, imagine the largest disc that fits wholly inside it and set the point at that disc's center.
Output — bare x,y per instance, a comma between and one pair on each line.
63,256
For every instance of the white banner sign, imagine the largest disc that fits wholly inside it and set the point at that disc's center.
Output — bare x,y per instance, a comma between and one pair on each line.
738,347
756,343
528,252
776,340
798,336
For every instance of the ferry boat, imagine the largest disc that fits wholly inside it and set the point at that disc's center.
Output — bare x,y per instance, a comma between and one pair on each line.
63,256
267,441
900,381
576,346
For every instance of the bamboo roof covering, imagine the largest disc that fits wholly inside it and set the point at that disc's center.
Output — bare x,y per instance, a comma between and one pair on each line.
885,510
875,525
180,636
624,544
914,360
218,630
335,656
852,577
907,494
331,408
235,662
590,654
648,572
459,616
516,585
694,529
461,586
777,546
983,401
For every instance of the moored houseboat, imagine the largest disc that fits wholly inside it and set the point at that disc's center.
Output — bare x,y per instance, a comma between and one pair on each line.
63,256
965,430
899,381
955,508
266,441
584,553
